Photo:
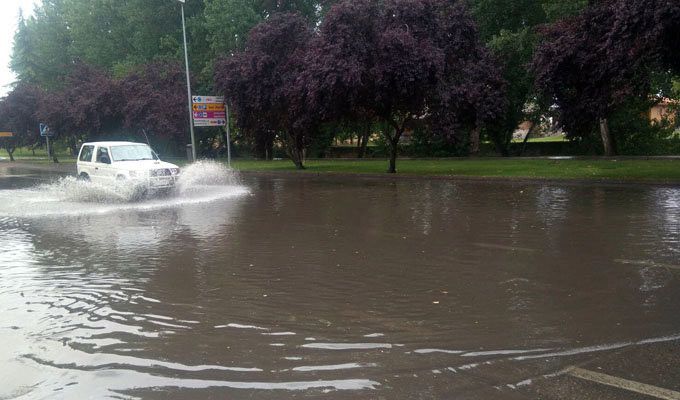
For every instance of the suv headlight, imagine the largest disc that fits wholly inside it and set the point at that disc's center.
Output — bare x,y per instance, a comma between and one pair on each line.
174,171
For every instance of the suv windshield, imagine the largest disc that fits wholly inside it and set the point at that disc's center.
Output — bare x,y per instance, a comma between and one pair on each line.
133,152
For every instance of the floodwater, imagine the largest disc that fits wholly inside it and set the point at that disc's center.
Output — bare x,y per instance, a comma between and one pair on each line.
322,287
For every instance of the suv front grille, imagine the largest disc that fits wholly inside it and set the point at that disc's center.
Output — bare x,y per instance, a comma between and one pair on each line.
161,172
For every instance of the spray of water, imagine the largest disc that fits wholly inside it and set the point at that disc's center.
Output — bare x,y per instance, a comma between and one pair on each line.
200,182
70,189
203,174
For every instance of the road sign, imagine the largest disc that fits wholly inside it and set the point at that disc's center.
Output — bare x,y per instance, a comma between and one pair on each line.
208,107
208,110
6,134
45,131
210,114
209,122
208,99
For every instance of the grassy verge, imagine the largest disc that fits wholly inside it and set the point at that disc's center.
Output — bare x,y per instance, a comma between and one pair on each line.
548,139
618,170
634,170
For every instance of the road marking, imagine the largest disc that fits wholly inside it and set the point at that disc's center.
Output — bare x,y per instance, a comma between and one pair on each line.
502,247
632,386
646,263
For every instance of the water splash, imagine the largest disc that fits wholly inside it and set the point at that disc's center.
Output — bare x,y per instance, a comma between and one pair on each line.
200,174
73,190
200,182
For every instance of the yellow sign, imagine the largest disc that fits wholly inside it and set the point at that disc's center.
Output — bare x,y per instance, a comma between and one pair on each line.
6,134
208,107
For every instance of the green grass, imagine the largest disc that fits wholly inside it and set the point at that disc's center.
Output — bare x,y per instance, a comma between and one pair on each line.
657,170
23,152
634,170
548,139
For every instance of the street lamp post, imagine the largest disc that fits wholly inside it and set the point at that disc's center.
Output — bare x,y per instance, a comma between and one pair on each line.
186,62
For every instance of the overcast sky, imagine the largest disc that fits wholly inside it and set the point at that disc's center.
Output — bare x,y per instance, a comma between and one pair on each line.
9,14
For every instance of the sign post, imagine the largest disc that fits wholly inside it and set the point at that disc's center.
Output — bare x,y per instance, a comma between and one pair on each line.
228,140
46,133
186,64
211,111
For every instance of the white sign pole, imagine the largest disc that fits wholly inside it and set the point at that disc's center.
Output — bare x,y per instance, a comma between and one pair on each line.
186,61
228,139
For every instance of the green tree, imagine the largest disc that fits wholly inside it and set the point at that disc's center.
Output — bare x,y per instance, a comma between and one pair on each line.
509,29
110,34
42,46
228,23
496,16
99,31
514,50
556,10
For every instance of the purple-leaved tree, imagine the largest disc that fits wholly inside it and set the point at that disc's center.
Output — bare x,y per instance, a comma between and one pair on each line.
261,83
401,62
18,115
591,64
156,103
87,107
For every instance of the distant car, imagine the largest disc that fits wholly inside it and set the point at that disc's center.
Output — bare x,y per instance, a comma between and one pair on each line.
137,163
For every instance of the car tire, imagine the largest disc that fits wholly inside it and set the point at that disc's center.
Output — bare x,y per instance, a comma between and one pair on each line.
140,193
84,177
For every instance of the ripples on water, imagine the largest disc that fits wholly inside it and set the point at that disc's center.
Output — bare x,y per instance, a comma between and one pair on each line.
283,288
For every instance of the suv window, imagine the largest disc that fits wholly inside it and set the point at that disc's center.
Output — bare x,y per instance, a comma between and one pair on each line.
102,152
86,153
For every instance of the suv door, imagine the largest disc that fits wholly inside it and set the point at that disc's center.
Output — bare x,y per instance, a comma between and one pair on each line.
85,165
102,164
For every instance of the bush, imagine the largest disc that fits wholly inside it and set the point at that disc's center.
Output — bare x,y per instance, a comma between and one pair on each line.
635,135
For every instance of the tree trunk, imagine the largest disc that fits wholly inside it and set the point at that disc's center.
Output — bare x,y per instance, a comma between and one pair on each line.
475,140
607,141
501,144
526,139
297,157
360,145
392,169
363,140
394,147
295,151
269,148
10,151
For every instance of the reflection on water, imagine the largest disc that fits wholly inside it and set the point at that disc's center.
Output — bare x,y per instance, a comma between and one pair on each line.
292,287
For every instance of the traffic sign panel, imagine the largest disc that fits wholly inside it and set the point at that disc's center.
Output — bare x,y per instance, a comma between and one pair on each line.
208,107
208,110
6,134
209,122
45,131
210,114
215,107
207,99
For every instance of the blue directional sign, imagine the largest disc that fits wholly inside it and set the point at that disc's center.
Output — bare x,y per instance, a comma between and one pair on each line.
45,131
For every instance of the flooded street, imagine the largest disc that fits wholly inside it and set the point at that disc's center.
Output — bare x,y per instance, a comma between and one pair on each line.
262,287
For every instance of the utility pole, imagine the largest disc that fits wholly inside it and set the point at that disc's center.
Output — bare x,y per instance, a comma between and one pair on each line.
186,62
228,139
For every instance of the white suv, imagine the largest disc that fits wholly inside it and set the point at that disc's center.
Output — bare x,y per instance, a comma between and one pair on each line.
106,162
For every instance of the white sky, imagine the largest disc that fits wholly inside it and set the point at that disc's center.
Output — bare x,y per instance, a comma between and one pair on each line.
9,14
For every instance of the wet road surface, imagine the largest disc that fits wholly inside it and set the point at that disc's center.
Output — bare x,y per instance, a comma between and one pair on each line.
341,288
